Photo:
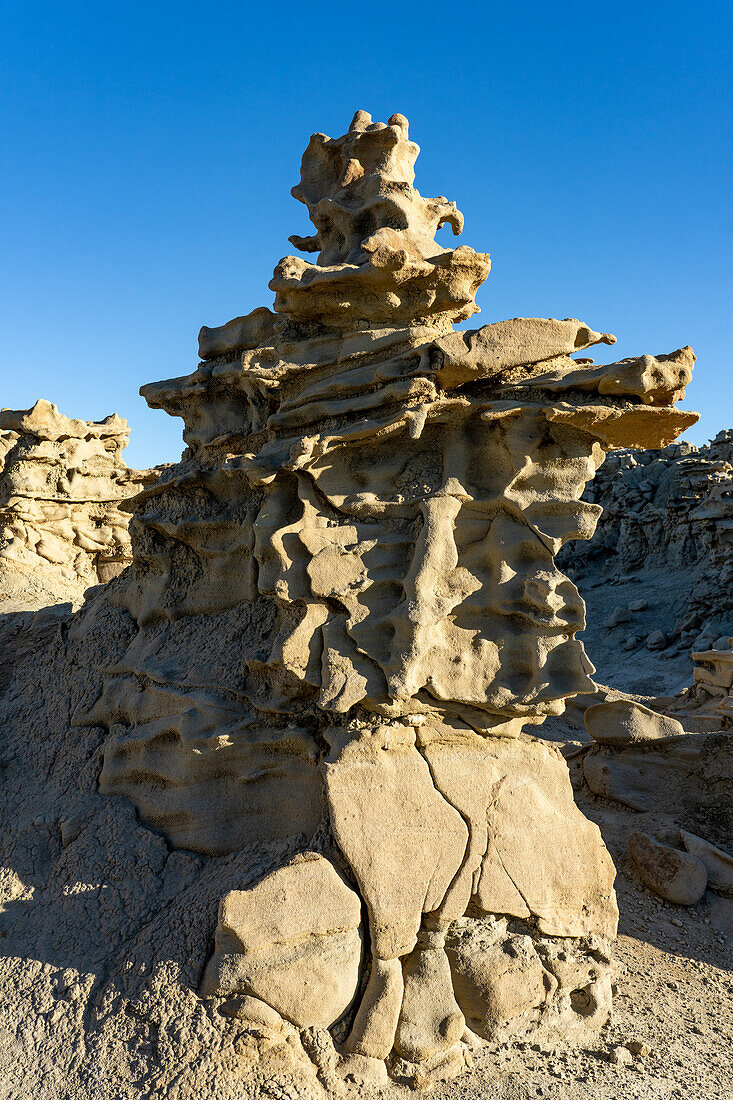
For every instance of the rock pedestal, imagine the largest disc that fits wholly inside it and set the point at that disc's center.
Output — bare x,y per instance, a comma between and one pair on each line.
348,612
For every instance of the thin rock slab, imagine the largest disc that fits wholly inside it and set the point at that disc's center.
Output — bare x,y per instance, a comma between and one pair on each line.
718,863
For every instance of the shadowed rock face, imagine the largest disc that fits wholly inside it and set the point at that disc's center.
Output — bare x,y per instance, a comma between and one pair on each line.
665,513
348,608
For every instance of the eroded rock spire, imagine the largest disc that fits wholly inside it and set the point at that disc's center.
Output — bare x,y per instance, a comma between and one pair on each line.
378,260
348,611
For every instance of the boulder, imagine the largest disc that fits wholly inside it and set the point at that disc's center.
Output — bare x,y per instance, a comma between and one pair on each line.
673,875
293,941
618,615
718,863
625,722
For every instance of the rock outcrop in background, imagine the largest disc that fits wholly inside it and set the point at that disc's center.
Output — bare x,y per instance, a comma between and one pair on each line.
62,482
667,514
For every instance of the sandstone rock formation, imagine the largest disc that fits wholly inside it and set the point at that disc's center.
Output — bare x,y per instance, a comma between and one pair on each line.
346,610
294,941
713,681
621,722
343,611
62,483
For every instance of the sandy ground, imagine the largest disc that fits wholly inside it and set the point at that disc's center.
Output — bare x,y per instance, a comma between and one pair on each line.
636,670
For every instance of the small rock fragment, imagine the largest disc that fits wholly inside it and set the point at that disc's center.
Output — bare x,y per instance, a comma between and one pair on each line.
618,615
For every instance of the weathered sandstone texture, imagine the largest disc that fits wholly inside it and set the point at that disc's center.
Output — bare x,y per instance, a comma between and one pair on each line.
658,507
347,608
271,941
712,689
315,682
674,875
62,482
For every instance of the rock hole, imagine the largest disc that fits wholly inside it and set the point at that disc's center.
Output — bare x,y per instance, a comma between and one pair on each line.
583,1002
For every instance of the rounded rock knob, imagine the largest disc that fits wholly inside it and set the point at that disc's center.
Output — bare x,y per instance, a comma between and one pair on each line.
360,121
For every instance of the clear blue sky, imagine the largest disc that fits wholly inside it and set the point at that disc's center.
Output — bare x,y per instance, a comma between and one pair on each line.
149,150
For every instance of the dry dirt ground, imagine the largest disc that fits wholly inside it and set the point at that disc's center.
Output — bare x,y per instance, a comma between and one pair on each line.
636,670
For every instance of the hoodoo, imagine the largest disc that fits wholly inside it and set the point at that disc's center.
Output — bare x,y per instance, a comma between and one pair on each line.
348,612
320,677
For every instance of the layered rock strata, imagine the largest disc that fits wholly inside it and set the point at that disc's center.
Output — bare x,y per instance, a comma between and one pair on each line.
713,680
62,482
347,609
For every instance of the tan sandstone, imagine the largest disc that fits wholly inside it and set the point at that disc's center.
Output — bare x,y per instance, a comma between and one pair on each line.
62,484
344,608
371,505
676,876
293,940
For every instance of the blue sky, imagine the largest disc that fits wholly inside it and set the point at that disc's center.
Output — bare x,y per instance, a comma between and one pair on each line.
149,151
